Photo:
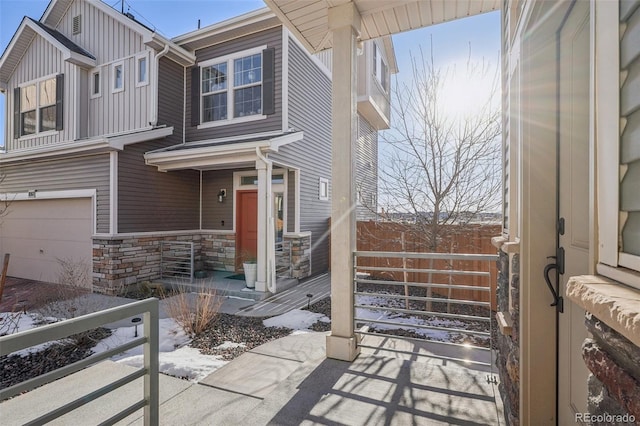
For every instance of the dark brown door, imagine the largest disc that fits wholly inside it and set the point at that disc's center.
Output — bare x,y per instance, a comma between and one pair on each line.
247,226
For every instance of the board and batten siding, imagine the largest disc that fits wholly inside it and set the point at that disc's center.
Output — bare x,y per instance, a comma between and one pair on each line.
86,172
271,38
367,170
171,99
42,59
215,215
630,111
310,111
149,200
110,41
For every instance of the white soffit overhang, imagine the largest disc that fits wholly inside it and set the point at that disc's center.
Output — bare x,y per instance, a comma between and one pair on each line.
308,19
217,154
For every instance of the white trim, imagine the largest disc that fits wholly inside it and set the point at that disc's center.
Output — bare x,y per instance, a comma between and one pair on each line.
218,123
607,128
231,88
184,105
139,57
113,192
297,201
622,275
54,195
162,233
200,215
92,94
285,79
115,65
323,183
238,22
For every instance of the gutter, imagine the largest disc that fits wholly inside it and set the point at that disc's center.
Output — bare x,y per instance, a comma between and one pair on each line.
271,255
153,121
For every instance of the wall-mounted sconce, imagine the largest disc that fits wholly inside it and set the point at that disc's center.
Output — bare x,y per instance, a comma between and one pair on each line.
222,194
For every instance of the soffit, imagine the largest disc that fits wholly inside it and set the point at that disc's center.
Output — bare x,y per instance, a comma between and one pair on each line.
308,19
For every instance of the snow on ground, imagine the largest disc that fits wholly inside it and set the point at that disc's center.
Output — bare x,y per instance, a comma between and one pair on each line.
296,319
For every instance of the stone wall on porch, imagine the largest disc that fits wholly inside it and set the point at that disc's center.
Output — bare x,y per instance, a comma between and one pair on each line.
123,260
300,254
612,351
507,341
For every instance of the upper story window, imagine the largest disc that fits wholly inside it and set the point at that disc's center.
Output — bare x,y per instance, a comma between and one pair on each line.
118,77
38,107
380,68
96,86
234,88
142,70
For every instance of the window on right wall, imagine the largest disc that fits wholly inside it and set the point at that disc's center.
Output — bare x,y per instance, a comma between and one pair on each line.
323,189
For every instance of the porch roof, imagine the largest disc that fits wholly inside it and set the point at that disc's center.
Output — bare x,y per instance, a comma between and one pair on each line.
308,20
223,153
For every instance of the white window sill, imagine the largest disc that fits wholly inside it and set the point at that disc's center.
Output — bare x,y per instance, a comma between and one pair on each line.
38,135
613,303
237,120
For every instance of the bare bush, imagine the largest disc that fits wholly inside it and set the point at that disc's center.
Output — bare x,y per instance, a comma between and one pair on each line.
9,322
194,311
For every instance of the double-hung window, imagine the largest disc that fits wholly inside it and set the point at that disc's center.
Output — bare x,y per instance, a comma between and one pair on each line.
233,88
38,107
380,68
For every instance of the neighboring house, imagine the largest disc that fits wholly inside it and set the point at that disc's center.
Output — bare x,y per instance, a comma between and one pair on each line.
118,140
571,92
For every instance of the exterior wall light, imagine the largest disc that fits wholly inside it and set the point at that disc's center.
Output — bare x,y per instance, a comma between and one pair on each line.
222,194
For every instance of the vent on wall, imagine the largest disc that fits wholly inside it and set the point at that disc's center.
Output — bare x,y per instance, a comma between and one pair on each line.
77,24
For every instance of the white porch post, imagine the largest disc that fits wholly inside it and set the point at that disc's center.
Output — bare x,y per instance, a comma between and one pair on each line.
264,191
344,22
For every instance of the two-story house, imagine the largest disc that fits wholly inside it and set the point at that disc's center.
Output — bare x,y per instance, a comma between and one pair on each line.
119,140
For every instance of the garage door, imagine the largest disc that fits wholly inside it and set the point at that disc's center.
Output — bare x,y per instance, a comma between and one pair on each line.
39,232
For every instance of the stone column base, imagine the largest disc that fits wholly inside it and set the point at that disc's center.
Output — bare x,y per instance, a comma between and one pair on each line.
342,348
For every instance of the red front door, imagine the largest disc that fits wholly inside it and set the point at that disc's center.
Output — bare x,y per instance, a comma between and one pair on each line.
247,226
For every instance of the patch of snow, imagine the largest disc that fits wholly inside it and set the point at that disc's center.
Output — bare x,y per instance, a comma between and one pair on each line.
231,345
296,319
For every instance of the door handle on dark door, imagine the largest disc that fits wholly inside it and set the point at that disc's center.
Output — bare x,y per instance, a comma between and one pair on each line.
558,302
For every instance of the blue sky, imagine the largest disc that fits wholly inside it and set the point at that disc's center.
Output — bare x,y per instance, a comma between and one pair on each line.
174,17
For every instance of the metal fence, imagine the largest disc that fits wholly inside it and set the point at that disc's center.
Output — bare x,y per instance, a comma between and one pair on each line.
177,260
51,332
436,304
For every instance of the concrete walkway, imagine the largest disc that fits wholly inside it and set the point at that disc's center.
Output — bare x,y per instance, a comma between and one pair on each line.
285,382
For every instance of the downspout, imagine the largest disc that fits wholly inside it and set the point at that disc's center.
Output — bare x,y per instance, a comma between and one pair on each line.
271,270
155,70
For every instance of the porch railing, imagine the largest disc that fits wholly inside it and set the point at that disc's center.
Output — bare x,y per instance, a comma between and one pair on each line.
438,299
147,308
177,260
283,259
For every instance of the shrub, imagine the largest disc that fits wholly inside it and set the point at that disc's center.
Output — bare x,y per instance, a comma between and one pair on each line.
194,311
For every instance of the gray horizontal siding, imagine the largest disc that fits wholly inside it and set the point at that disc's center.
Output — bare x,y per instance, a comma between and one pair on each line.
89,172
310,111
213,212
149,200
271,38
171,98
630,139
367,169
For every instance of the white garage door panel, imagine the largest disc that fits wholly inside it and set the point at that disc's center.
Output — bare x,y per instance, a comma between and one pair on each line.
39,232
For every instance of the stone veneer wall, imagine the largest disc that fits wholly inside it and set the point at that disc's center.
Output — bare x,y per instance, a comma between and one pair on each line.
614,382
300,254
122,260
508,358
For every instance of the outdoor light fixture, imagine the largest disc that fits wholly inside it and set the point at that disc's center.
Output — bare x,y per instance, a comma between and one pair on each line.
221,195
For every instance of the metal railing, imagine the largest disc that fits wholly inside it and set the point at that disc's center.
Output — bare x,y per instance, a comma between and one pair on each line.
283,259
442,299
150,403
177,260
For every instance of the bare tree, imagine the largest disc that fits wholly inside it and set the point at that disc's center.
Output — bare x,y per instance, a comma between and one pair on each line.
439,166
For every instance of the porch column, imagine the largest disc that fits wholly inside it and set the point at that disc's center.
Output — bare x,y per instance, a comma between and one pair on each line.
344,22
264,189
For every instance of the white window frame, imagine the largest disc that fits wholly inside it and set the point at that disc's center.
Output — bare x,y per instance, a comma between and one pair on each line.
229,59
275,187
95,72
380,68
139,58
611,262
38,132
114,66
323,189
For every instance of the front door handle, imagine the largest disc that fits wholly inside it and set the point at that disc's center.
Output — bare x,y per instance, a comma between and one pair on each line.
558,302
